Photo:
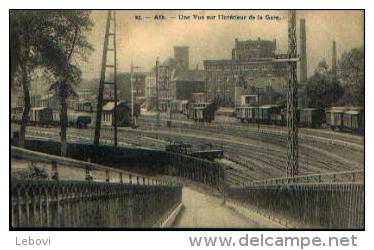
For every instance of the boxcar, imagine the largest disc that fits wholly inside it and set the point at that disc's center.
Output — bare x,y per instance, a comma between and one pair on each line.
266,111
354,120
85,106
247,113
79,120
203,112
184,107
75,119
41,116
240,113
334,117
311,117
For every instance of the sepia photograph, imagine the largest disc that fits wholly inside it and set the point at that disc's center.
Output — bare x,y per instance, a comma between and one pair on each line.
186,120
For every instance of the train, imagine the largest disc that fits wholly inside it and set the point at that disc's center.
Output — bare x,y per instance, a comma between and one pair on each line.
337,118
43,116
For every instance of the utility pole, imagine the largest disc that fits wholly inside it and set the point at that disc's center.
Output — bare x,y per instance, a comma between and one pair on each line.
157,95
132,91
206,88
258,89
165,83
333,64
111,19
292,147
169,91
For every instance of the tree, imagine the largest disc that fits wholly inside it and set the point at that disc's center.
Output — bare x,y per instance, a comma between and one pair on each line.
47,40
25,28
352,74
321,90
62,45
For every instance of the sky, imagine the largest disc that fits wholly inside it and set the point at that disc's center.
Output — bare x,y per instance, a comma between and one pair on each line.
141,41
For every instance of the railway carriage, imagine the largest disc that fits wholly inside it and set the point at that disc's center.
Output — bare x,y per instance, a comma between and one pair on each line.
354,120
179,106
41,116
79,120
240,113
38,116
311,117
265,113
334,117
75,119
203,112
278,118
246,113
184,107
85,106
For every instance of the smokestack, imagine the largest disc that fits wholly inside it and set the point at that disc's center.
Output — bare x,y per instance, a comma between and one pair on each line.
303,62
333,67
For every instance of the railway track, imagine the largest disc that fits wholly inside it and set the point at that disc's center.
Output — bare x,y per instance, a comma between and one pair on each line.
248,158
311,136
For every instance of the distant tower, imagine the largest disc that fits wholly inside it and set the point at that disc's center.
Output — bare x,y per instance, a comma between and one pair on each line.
333,67
303,62
181,55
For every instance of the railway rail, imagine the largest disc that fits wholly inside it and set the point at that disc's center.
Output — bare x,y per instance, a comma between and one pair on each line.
259,158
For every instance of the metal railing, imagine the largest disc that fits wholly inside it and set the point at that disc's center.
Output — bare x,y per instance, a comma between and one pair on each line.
79,204
114,198
91,170
196,169
334,177
306,205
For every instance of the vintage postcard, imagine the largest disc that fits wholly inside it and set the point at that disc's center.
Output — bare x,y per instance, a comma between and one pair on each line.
189,119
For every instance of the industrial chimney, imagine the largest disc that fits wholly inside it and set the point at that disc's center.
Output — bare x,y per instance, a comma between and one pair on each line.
303,62
333,65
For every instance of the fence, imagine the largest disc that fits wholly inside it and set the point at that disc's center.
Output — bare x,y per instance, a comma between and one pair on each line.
75,204
196,169
306,205
333,177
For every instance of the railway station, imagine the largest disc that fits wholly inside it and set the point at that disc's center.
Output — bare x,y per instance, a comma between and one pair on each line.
248,138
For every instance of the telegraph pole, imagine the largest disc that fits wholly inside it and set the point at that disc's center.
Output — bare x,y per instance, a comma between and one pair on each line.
258,105
292,147
132,90
206,88
157,95
111,18
170,94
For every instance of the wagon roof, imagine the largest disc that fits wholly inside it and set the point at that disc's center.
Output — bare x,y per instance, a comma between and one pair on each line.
310,109
344,109
247,106
337,109
85,101
39,108
110,105
78,114
270,106
353,112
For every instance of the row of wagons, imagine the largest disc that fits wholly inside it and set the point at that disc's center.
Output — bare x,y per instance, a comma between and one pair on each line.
336,118
43,116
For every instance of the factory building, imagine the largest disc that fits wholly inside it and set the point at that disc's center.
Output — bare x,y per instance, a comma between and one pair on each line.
251,67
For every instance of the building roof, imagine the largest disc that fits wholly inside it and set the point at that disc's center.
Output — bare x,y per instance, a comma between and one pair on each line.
242,62
189,76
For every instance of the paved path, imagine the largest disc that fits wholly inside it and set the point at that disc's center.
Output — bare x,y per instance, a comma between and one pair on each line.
204,210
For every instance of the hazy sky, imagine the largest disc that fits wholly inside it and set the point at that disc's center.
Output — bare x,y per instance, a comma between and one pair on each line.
141,41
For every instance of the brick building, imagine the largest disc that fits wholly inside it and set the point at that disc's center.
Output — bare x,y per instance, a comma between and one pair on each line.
250,67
